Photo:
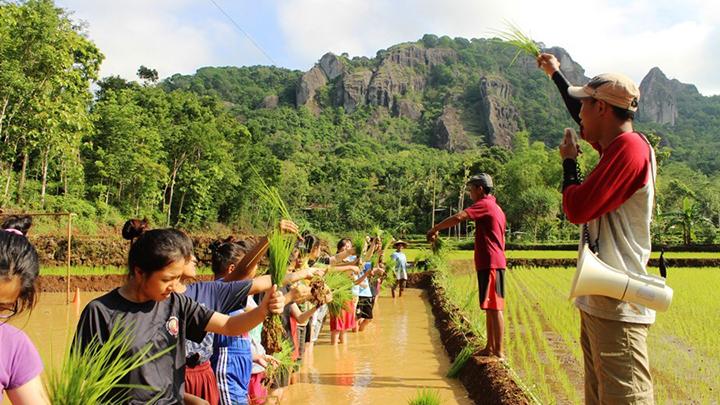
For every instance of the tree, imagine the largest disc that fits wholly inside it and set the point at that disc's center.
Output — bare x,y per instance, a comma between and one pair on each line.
147,74
46,65
687,219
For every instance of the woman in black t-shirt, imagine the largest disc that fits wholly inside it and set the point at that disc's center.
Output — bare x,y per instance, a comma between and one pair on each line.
159,316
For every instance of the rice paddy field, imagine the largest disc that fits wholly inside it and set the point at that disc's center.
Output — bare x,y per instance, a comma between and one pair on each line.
543,328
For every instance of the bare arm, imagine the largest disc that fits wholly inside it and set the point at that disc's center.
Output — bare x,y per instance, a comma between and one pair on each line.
263,283
347,267
301,317
338,258
30,393
253,257
273,302
364,276
448,222
193,400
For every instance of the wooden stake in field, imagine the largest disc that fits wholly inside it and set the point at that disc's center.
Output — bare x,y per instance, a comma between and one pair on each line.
69,243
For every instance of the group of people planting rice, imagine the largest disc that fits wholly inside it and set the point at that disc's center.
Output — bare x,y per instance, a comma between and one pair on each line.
237,338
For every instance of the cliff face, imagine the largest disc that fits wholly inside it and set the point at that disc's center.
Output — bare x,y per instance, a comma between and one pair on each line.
658,97
449,133
404,77
399,72
571,69
501,118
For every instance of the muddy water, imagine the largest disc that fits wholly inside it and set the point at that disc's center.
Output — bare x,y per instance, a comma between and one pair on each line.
396,355
51,326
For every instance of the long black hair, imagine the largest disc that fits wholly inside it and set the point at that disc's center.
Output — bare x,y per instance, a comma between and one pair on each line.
19,259
152,250
226,252
20,223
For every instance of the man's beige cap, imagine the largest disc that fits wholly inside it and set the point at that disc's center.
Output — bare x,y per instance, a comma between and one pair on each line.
613,88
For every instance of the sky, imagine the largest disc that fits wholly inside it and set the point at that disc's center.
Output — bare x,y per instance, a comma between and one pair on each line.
682,38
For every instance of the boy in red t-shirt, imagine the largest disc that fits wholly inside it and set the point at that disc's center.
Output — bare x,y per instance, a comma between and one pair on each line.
489,256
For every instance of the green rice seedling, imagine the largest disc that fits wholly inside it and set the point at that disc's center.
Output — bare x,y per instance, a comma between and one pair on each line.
426,396
279,249
341,287
390,276
283,364
387,241
270,196
462,358
438,246
512,35
358,242
92,375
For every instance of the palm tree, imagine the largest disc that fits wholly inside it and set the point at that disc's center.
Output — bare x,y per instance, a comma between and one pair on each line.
687,218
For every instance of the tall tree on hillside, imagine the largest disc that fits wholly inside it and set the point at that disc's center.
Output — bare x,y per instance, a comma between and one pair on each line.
46,65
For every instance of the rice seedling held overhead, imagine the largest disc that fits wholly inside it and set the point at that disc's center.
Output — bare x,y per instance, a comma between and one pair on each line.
320,291
341,287
279,250
512,35
282,366
270,196
438,246
358,242
390,279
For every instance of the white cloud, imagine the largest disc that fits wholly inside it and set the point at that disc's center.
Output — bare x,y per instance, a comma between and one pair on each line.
156,34
630,36
626,36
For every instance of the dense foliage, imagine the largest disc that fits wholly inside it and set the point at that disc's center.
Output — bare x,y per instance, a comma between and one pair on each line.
181,151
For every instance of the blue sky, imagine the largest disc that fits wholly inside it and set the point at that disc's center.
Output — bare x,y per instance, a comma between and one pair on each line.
180,36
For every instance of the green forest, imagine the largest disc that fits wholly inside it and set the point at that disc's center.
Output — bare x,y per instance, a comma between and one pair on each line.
182,151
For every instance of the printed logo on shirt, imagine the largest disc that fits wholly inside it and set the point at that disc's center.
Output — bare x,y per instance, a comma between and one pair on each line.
173,326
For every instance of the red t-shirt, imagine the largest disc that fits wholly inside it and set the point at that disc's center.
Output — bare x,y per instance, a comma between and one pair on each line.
489,233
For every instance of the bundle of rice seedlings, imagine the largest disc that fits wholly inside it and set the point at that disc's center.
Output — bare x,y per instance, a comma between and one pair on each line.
283,365
387,241
513,36
319,291
390,276
92,375
270,196
358,242
462,358
438,245
341,287
279,250
426,396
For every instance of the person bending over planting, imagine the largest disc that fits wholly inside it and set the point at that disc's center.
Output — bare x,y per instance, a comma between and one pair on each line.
489,256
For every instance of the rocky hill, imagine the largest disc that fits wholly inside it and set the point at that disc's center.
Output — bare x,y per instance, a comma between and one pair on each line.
460,93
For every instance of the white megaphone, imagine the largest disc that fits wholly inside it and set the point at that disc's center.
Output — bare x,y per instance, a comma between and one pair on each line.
594,277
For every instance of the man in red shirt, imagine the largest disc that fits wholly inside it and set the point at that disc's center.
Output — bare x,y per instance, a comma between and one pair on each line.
489,256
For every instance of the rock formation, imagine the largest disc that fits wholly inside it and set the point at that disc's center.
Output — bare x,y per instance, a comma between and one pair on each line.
449,133
310,82
658,97
500,117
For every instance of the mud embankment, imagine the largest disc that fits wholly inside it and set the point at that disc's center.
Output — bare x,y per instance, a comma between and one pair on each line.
486,380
